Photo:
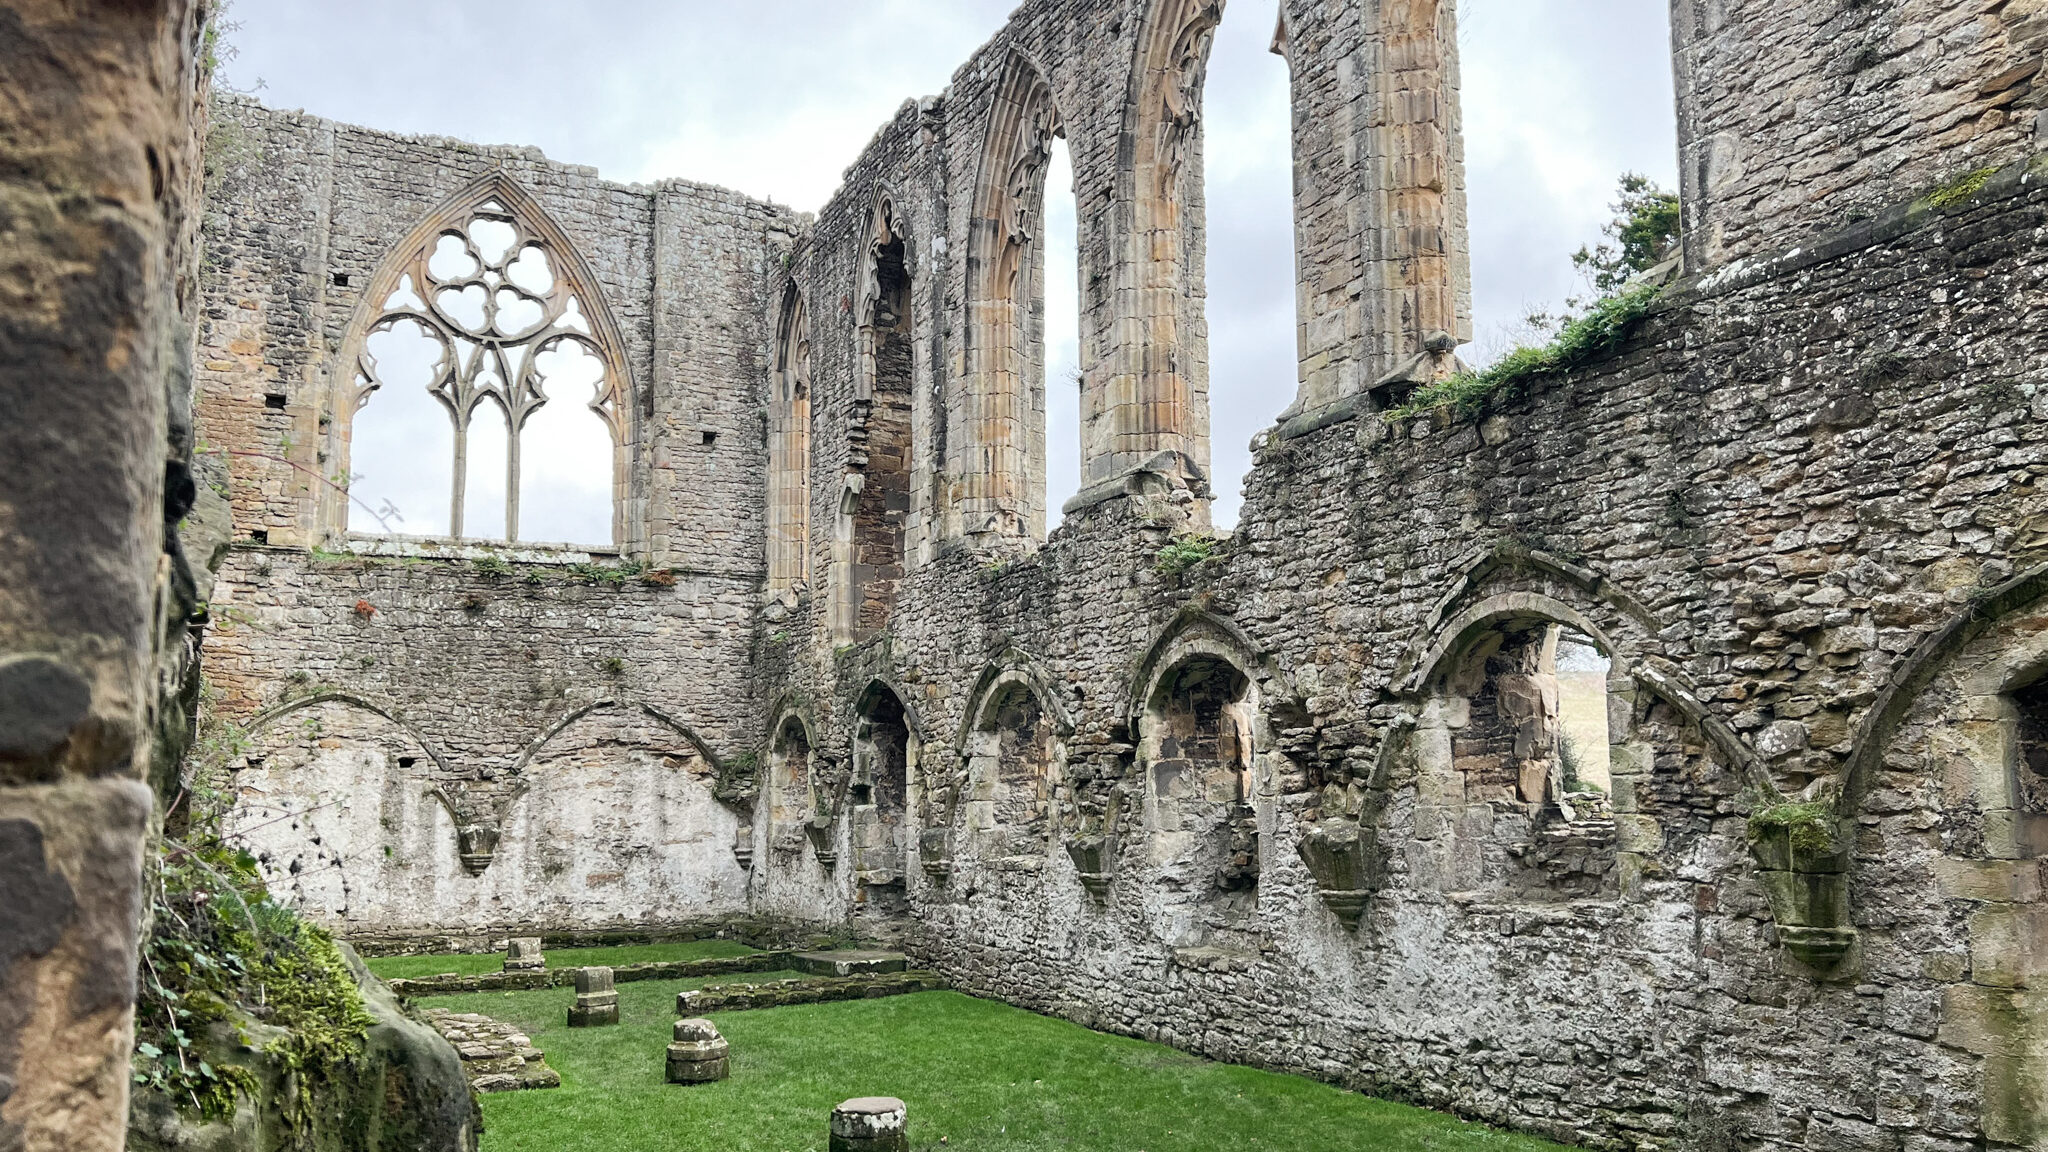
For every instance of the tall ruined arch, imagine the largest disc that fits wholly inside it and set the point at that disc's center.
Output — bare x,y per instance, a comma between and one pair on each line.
871,539
1146,403
789,450
1001,469
492,289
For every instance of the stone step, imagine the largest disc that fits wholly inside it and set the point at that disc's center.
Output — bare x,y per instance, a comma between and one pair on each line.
849,962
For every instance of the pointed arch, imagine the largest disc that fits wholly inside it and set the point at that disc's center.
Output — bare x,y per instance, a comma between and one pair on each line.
1875,733
1014,669
383,711
1510,581
789,450
494,309
697,743
1010,760
871,539
1198,631
1000,468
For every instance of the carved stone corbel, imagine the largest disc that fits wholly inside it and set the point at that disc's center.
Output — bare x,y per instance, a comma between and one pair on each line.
1339,855
1808,889
823,844
935,850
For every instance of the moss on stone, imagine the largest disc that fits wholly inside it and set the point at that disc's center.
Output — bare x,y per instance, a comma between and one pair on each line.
1603,327
1185,554
1809,826
1961,188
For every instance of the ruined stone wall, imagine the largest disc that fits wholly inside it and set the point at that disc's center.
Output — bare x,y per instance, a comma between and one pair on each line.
440,750
1795,121
1281,824
461,737
1759,508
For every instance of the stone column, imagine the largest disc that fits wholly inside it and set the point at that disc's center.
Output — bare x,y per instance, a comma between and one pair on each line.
100,129
597,1000
871,1124
1382,253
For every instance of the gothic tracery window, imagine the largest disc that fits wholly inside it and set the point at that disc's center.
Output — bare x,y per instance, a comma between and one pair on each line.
483,384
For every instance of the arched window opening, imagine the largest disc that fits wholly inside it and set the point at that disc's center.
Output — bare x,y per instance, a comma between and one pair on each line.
1012,772
1583,739
485,509
1248,265
482,321
878,495
1200,749
565,490
2030,761
880,792
1022,340
789,450
1525,732
789,792
402,448
1062,327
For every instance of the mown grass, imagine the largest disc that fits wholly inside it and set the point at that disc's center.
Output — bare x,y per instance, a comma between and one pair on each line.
415,967
975,1074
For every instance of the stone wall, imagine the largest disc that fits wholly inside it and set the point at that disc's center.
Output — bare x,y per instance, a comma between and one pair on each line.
462,737
1758,508
101,133
1797,120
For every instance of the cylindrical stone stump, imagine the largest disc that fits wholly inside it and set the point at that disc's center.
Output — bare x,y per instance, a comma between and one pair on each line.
699,1055
597,1000
871,1124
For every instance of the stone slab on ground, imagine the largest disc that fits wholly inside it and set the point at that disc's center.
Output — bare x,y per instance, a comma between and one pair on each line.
849,962
496,1056
817,990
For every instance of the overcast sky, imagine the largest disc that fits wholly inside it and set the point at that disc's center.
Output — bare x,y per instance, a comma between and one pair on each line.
775,97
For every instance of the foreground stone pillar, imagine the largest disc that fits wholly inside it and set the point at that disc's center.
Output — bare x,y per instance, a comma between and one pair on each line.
871,1124
699,1054
524,955
597,1000
99,131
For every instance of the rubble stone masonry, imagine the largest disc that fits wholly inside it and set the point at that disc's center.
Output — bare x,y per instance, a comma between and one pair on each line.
1293,797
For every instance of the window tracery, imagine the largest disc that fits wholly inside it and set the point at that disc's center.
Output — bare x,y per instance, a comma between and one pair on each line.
487,312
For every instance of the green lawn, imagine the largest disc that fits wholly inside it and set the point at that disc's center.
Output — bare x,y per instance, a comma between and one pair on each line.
415,967
976,1074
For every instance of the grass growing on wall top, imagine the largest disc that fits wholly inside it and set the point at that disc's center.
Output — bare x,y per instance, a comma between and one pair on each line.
1605,325
975,1074
476,964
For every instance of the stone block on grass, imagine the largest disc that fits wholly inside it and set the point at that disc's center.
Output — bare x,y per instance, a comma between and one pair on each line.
524,955
698,1055
597,999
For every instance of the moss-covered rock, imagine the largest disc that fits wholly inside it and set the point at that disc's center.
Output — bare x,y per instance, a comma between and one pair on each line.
402,1091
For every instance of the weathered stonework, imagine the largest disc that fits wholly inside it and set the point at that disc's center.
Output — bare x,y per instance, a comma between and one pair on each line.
1306,799
698,1054
496,1056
